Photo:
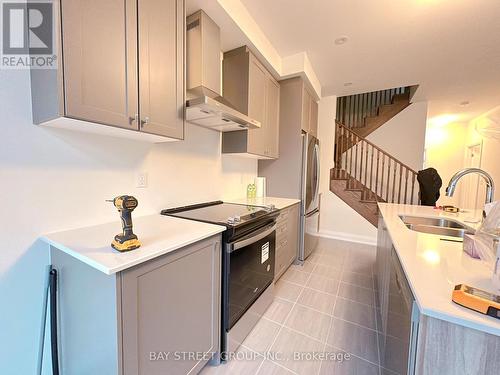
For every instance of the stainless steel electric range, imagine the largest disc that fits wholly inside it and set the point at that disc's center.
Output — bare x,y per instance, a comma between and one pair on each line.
248,246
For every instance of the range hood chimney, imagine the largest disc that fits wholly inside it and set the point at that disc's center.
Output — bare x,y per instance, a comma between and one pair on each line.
205,106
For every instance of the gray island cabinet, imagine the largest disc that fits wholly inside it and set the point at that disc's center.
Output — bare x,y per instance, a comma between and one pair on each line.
157,317
414,340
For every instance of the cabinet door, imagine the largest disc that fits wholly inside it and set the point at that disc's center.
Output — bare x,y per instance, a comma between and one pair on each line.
257,88
272,120
161,67
384,246
306,110
171,304
287,239
281,257
100,61
313,123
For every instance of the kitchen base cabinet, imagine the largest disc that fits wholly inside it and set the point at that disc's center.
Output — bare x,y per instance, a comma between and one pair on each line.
159,317
287,239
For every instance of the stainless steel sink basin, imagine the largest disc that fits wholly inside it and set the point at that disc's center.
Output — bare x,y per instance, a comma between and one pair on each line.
434,221
437,226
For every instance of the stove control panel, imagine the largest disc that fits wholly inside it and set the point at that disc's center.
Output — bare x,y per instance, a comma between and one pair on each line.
234,219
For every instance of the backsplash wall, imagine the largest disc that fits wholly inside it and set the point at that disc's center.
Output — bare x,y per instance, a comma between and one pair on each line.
55,179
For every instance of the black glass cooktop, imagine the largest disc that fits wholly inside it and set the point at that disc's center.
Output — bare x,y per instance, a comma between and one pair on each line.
220,213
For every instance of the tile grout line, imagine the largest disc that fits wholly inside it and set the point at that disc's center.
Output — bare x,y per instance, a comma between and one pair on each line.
285,320
331,321
342,268
264,359
376,325
322,312
340,282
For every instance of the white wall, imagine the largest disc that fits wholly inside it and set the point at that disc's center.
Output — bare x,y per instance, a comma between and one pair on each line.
53,180
337,219
490,157
446,147
445,151
403,136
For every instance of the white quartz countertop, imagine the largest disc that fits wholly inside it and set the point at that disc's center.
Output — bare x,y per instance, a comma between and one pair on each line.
158,235
279,203
433,267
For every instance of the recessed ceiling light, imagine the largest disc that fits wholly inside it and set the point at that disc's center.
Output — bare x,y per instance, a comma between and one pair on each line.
465,103
348,84
341,40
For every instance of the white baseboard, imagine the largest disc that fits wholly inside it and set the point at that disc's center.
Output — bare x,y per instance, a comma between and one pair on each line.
348,237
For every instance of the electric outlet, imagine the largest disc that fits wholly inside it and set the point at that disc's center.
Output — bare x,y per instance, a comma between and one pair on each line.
142,180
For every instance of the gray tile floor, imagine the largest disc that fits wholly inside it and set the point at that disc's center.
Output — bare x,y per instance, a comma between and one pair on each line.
322,310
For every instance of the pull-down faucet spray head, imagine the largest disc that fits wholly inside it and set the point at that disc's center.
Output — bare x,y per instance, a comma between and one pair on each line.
490,185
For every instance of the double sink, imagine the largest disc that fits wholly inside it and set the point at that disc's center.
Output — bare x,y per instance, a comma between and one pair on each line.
436,225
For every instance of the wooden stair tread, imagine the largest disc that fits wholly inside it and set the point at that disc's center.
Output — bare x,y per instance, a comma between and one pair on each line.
373,123
355,194
338,174
352,199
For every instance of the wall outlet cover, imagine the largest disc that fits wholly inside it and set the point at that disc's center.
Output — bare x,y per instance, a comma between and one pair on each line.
142,180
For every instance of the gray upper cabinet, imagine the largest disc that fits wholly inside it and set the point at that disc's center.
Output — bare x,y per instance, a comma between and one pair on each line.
306,109
313,122
257,87
161,67
100,68
309,112
273,119
122,66
250,88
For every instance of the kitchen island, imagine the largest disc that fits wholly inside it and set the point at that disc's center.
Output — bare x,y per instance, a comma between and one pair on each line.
416,274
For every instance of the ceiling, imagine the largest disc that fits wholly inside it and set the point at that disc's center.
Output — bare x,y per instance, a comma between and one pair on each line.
451,48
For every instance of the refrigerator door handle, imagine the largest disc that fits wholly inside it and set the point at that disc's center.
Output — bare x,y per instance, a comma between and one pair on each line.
312,213
316,155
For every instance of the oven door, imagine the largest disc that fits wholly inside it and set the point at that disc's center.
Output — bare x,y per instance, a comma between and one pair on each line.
251,269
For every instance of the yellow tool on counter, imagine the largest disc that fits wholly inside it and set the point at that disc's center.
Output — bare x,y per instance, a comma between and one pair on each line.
477,300
126,240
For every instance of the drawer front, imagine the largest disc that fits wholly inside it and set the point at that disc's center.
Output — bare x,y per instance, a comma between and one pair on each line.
286,238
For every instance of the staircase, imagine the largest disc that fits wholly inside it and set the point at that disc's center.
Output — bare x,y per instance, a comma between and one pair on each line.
365,113
364,174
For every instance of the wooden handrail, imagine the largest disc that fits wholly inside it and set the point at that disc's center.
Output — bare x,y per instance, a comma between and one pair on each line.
376,147
378,171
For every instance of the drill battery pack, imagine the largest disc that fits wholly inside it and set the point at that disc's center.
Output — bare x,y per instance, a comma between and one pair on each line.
122,244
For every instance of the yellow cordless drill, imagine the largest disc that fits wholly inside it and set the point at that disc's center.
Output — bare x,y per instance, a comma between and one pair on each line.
127,240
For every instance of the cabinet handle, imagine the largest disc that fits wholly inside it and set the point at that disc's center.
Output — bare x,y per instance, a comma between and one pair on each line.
144,122
132,119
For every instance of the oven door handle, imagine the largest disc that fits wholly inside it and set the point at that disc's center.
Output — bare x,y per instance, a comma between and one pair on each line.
260,234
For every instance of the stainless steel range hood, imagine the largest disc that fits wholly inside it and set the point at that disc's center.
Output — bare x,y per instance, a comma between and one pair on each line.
210,113
205,107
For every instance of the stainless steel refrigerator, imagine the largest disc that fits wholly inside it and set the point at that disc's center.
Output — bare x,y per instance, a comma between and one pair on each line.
310,194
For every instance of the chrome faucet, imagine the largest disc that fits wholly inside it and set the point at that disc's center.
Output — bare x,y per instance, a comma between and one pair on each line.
490,185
